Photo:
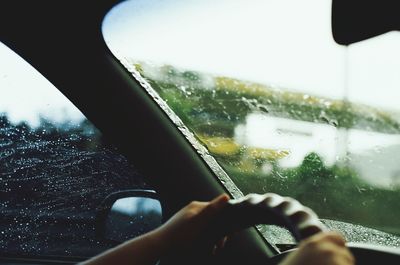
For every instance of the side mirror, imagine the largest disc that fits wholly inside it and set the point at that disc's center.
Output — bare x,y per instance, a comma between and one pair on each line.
127,214
357,20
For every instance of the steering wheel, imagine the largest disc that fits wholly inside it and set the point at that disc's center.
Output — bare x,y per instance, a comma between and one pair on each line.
301,221
272,209
268,208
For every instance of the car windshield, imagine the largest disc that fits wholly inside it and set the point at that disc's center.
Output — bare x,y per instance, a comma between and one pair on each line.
276,103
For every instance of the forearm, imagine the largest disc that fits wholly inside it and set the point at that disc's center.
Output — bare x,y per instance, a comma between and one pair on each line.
144,250
184,228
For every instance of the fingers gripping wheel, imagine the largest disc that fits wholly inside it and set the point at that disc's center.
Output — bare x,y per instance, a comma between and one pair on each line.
271,209
255,209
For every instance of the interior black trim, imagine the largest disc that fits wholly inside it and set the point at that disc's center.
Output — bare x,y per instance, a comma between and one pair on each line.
45,260
63,40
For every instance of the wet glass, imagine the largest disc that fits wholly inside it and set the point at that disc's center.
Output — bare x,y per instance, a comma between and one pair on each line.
55,168
281,107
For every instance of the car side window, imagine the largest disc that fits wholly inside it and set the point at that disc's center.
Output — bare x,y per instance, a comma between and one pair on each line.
55,168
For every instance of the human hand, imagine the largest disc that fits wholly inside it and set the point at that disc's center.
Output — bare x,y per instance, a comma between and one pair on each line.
191,229
321,249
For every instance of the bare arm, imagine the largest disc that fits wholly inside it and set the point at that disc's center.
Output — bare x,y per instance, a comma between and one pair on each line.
187,227
143,250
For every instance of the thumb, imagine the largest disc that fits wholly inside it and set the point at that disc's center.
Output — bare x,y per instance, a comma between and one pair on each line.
216,204
220,201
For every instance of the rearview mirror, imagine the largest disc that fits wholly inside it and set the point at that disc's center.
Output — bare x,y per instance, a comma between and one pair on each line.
357,20
128,214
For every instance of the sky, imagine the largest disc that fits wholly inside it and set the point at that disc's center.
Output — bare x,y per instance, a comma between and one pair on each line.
285,43
25,94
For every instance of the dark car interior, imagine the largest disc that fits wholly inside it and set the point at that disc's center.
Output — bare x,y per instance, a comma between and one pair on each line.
64,42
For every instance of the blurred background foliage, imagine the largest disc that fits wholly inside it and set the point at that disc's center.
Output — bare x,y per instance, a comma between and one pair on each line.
212,106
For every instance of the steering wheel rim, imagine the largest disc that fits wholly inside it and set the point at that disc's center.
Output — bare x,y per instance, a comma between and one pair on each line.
270,209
